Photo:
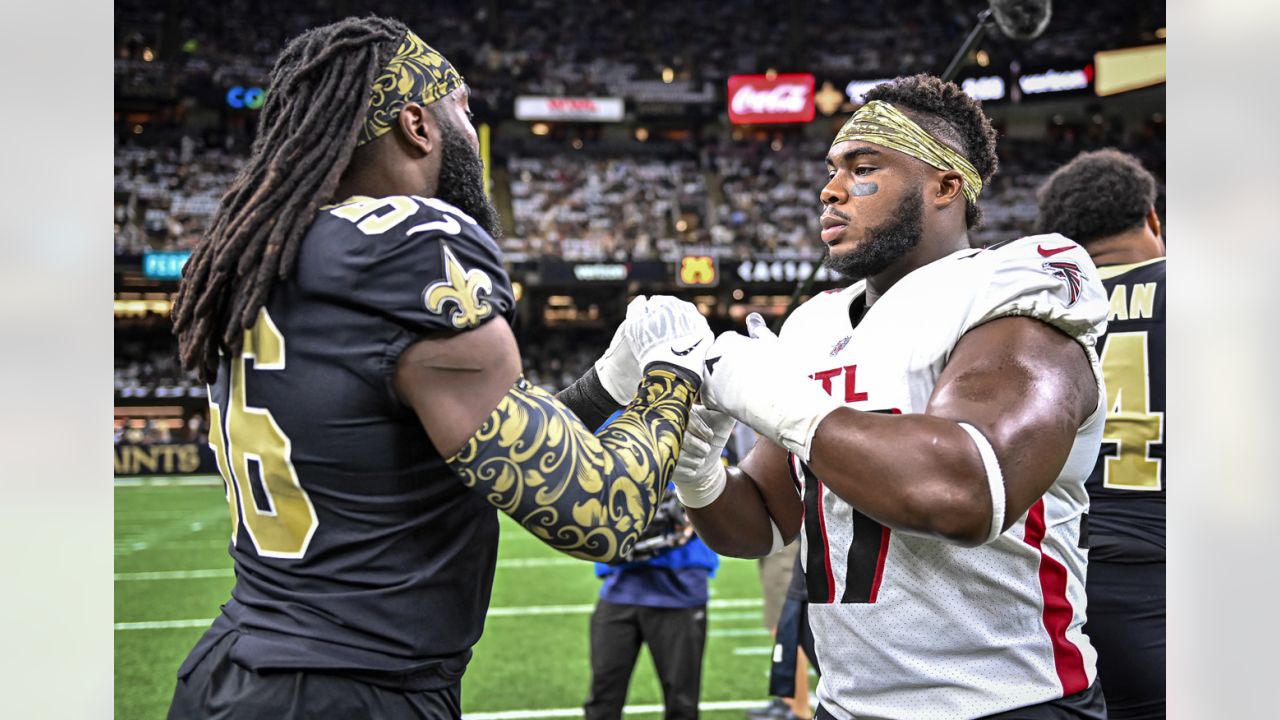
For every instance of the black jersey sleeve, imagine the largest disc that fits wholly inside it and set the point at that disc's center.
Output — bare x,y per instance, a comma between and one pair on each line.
419,262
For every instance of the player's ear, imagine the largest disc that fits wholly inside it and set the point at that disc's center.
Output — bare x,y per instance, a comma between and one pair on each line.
949,188
1153,222
417,128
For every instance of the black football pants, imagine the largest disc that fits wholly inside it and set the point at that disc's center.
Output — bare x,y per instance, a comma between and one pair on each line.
1127,627
676,638
220,689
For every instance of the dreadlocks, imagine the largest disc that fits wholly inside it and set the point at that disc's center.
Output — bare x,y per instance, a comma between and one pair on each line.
320,88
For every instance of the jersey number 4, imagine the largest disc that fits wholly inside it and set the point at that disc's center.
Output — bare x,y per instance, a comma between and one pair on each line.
251,448
1131,424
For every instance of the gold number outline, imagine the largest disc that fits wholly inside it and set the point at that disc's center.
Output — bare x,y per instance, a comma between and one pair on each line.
1117,344
362,212
218,443
234,465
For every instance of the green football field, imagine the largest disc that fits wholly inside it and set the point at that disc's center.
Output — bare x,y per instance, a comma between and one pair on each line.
172,572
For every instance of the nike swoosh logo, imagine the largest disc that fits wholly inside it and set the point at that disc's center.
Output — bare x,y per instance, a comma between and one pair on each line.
711,364
682,353
1050,253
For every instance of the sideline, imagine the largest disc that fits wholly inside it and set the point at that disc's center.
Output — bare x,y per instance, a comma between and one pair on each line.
629,709
493,612
169,481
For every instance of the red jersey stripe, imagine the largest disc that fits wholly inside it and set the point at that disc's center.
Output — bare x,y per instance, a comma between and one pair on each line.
1057,609
826,548
884,554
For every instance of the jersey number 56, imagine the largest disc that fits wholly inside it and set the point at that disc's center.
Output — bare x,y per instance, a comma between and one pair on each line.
281,519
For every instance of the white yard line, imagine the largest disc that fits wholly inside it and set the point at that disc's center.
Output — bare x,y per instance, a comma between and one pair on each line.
540,610
169,481
629,710
732,616
513,564
128,546
176,574
738,632
164,624
177,545
515,611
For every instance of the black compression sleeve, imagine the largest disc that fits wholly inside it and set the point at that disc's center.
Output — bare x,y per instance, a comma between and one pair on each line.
588,399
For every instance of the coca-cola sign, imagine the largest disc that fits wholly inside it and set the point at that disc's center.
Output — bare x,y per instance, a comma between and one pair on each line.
761,99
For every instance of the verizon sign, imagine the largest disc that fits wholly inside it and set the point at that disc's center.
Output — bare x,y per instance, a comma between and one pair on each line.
757,99
573,109
1056,81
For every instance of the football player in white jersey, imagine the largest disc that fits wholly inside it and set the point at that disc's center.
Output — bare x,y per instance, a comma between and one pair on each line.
927,431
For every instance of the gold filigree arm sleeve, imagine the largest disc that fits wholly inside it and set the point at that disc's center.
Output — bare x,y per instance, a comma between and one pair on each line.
586,495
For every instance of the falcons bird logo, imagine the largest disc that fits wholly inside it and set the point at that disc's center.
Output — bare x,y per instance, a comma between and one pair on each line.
1068,273
840,345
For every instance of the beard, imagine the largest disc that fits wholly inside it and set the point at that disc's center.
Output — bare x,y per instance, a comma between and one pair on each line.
884,244
462,180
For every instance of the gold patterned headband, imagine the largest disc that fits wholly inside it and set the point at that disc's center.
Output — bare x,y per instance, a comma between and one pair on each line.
880,123
416,73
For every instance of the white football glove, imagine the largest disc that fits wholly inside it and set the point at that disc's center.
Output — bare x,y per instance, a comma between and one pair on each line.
669,330
755,380
700,474
618,368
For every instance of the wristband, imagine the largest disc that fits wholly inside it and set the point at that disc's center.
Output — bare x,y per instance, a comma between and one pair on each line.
778,542
703,491
588,398
995,480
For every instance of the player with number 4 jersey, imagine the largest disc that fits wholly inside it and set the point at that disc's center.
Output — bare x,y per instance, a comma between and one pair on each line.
1105,200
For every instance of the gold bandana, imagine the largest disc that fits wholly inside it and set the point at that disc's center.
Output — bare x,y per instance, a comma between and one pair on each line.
882,124
416,73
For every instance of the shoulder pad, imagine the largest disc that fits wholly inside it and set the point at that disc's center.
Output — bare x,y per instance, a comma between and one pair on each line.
418,260
1047,277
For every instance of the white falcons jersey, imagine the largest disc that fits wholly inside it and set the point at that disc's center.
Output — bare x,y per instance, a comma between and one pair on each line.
912,627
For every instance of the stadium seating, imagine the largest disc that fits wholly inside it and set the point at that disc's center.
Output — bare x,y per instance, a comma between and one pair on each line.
720,192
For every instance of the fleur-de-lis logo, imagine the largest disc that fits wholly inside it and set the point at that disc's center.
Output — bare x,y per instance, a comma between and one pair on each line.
461,287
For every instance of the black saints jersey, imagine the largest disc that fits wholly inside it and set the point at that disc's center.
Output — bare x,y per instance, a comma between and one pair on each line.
357,550
1127,487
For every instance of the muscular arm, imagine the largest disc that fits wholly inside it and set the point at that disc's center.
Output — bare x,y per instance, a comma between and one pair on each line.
1023,384
453,381
759,489
530,456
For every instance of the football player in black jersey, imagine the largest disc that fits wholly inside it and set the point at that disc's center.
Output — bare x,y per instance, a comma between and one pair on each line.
1105,201
351,314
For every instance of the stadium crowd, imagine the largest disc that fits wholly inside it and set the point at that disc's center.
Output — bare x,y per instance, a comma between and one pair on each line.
736,199
532,46
581,194
146,361
718,192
